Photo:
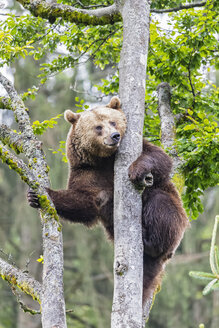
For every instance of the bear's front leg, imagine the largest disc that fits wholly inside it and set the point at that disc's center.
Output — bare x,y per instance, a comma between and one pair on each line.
140,174
74,205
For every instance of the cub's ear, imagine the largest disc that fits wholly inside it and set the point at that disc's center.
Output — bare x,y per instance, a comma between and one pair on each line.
115,103
71,117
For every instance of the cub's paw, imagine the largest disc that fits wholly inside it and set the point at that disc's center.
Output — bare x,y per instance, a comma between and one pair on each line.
139,177
32,199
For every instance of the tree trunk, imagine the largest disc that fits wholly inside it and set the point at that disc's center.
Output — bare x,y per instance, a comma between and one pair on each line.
36,175
128,263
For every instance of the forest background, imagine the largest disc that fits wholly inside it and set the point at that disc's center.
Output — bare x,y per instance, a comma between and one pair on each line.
182,53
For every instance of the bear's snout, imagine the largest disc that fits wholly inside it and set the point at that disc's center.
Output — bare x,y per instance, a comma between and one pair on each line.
115,136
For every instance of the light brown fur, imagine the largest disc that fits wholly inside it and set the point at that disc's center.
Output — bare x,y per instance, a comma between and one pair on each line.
88,143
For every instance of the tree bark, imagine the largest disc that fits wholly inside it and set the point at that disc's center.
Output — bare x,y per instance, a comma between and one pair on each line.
167,125
51,11
21,280
52,294
128,263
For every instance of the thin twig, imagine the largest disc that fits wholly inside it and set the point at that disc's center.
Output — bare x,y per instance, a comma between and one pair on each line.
24,307
20,279
88,7
181,7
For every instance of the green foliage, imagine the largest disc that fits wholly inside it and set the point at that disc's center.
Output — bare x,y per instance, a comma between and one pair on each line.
80,104
61,151
198,146
40,128
178,54
30,93
110,85
214,264
8,50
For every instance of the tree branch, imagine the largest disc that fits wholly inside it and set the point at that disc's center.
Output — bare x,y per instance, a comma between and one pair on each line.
101,16
33,147
167,120
11,139
88,7
22,280
17,105
24,307
5,103
53,304
181,7
19,166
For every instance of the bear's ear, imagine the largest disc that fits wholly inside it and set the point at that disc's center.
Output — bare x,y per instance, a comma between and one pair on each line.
115,103
71,117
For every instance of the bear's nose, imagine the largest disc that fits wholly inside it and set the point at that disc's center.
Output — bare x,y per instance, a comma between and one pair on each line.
115,136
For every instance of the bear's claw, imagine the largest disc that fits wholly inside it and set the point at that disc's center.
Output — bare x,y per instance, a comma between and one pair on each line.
149,179
140,178
32,198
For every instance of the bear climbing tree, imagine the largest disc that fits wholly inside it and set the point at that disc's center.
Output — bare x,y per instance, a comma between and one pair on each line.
93,140
27,34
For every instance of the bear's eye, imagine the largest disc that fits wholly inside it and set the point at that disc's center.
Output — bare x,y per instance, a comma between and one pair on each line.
113,123
99,128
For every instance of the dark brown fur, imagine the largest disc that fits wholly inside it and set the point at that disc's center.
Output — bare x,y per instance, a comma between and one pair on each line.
89,195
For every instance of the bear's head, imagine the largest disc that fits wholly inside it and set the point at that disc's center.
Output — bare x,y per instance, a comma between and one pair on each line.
95,133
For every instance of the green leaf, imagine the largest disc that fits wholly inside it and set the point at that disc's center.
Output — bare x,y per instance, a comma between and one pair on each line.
202,275
216,286
209,287
201,115
189,127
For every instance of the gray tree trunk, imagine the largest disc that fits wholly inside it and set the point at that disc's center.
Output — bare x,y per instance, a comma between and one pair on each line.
52,294
128,263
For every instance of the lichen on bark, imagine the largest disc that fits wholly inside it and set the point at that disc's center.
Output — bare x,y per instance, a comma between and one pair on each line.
35,174
101,16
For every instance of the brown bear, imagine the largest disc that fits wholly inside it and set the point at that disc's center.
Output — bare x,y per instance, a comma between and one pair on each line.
92,142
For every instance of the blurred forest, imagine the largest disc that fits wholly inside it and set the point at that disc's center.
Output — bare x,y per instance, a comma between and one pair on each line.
88,275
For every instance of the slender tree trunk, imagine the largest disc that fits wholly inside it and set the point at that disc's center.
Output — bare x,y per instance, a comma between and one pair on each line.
52,293
128,268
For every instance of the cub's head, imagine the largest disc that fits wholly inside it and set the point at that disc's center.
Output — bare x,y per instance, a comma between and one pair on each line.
97,132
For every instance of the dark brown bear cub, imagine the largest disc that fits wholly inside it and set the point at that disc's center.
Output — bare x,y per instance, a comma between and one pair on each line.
91,145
